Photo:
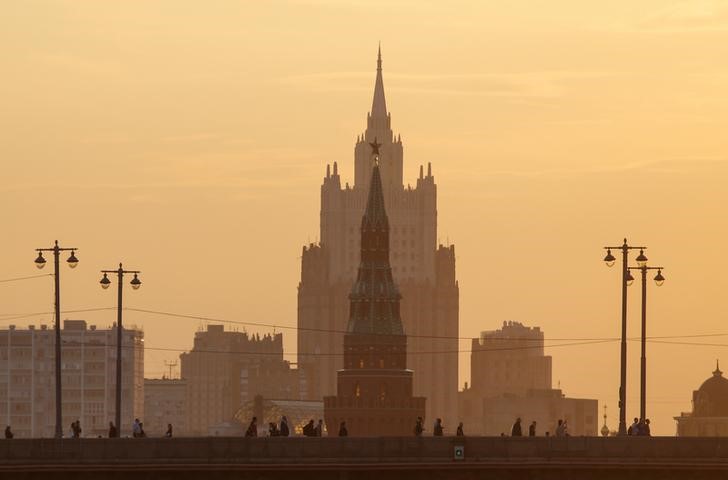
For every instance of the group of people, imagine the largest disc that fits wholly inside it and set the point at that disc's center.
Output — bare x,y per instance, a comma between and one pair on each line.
284,430
137,430
437,429
562,429
639,428
75,429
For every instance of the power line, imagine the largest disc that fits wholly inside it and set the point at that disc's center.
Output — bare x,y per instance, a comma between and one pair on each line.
17,279
325,330
443,337
70,343
28,315
328,330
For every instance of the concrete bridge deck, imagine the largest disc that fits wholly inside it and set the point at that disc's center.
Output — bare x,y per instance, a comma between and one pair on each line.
354,458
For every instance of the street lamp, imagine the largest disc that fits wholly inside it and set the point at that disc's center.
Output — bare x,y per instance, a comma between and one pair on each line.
659,280
135,284
609,259
72,262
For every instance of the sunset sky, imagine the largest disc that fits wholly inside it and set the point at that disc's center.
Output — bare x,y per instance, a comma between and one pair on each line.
189,140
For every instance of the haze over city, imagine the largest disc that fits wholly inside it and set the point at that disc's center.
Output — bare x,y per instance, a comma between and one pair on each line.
190,141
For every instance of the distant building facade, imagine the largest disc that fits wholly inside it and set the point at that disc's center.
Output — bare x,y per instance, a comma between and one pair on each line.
423,271
375,388
88,379
225,369
165,402
709,417
509,360
511,378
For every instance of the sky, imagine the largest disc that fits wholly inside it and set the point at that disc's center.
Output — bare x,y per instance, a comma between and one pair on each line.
189,141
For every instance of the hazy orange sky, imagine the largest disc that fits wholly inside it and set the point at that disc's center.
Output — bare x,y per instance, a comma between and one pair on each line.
189,140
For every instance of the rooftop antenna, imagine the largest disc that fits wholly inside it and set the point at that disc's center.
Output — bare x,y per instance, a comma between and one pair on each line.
170,365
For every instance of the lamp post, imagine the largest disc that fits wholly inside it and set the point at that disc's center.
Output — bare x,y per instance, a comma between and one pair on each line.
40,263
135,284
610,260
659,280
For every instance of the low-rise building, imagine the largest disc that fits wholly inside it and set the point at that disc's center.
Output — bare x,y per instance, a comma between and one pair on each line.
164,403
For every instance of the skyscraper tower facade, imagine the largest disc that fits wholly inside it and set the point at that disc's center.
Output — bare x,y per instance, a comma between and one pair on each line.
374,389
423,271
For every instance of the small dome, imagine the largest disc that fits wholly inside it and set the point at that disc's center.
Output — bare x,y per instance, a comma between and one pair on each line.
711,399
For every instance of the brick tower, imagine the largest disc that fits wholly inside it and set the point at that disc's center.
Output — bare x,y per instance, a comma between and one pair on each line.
374,389
423,270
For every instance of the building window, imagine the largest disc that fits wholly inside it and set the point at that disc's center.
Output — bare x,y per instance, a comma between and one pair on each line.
361,363
357,391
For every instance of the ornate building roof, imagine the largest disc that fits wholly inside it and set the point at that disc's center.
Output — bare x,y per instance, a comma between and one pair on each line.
374,298
711,399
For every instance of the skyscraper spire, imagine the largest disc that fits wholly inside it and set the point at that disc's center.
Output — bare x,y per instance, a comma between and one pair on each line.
379,105
374,307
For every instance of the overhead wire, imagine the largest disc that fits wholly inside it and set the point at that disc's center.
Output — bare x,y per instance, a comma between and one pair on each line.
17,279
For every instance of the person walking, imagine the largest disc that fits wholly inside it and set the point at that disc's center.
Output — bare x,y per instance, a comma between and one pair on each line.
459,432
516,430
284,430
419,428
634,428
437,428
309,430
252,430
112,430
8,433
343,432
532,429
560,429
646,428
135,428
168,433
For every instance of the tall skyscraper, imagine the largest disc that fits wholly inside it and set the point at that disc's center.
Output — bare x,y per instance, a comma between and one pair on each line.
424,271
374,390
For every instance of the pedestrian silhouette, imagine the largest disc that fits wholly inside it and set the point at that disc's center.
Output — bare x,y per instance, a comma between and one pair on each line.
343,432
284,431
561,429
419,428
437,428
460,432
309,430
633,429
252,430
516,430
